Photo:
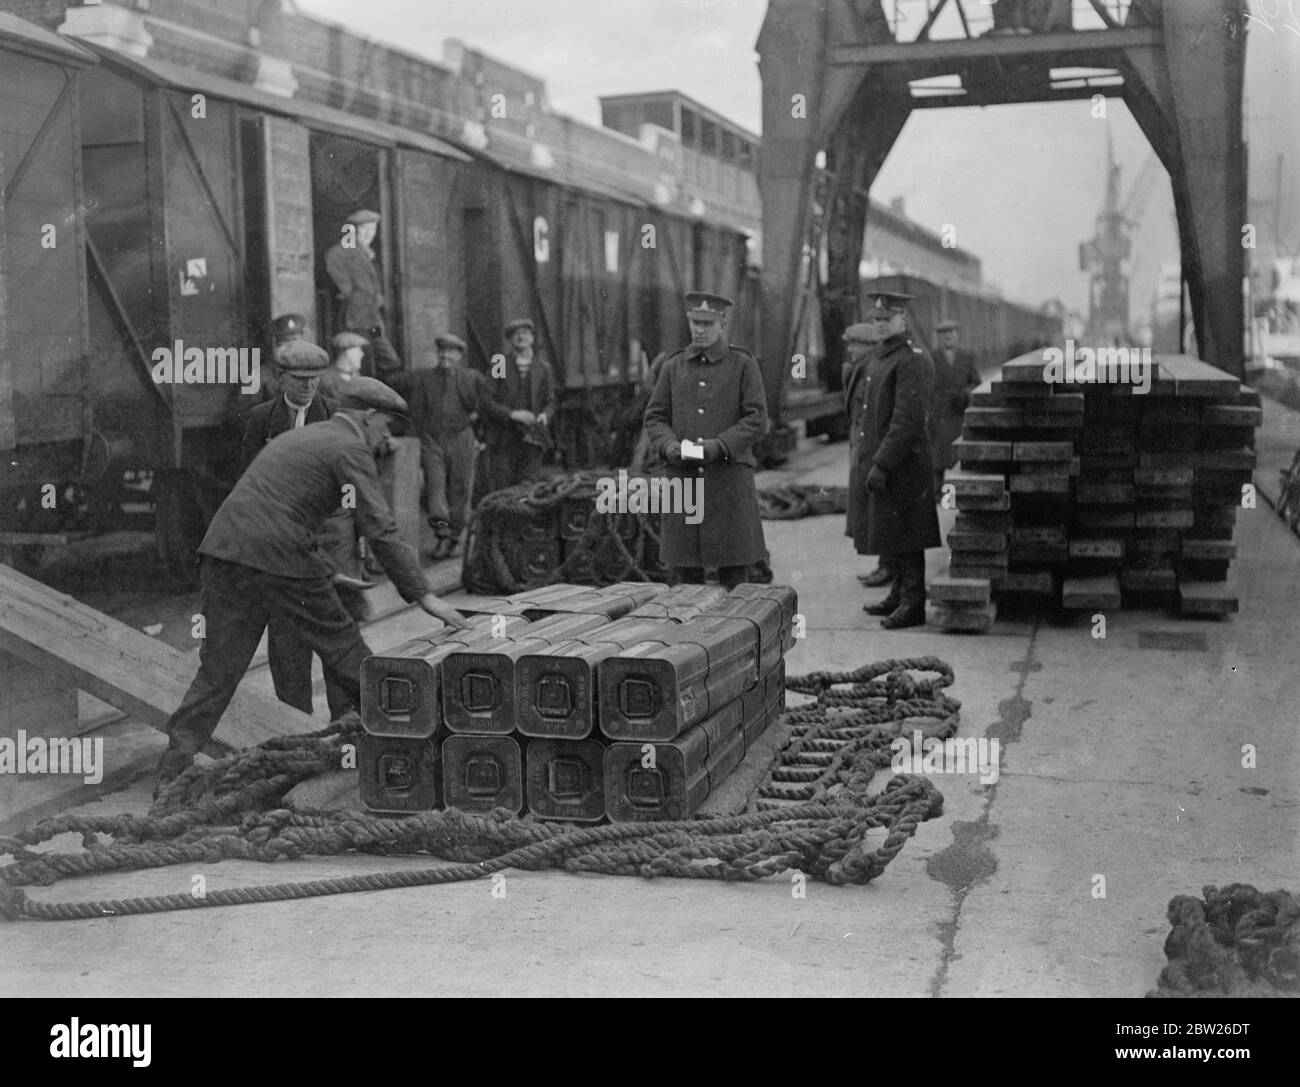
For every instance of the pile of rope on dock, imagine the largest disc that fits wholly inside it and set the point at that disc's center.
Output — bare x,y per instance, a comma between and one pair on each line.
547,532
1236,941
790,501
830,827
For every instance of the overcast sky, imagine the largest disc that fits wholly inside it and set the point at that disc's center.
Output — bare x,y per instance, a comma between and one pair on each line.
1021,184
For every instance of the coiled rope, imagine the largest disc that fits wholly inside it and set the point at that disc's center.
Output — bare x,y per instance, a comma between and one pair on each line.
1238,941
234,810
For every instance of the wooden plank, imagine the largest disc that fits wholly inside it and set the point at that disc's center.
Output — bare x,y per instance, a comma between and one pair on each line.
1178,518
993,418
1212,598
1209,550
1103,519
1089,593
1040,484
1030,582
1232,415
977,541
1043,451
984,504
1053,535
977,620
1155,477
139,675
1148,579
960,590
969,484
982,522
969,451
1096,548
1104,494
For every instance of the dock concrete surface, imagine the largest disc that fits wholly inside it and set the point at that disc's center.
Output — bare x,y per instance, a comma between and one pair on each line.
1124,779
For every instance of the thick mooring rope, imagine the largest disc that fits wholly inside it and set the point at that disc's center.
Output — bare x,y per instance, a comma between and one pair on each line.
234,810
1238,941
789,501
611,547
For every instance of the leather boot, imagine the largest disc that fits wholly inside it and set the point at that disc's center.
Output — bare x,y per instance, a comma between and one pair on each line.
883,574
891,601
911,594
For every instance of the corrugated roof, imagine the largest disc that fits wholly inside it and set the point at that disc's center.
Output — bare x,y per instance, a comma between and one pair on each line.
194,81
36,39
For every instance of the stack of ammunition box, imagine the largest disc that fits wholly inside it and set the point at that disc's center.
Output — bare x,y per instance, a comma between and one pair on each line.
632,702
1117,498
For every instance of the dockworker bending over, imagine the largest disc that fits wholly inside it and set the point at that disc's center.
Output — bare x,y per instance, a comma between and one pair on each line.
259,561
710,394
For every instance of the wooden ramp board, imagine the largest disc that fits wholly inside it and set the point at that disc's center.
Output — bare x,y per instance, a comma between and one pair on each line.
141,676
1090,593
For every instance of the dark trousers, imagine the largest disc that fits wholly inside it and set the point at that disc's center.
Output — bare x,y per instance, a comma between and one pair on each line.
237,604
448,467
290,661
909,578
728,576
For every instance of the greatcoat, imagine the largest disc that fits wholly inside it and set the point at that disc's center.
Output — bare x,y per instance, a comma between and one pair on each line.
888,395
701,394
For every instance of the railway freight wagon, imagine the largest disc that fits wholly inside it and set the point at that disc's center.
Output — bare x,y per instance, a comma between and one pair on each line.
191,210
602,275
991,327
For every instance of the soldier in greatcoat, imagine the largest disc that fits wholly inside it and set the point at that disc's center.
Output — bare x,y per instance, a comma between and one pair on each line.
860,342
891,506
955,374
711,394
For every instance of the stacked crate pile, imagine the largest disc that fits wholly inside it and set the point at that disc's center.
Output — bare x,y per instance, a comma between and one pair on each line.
632,702
1114,497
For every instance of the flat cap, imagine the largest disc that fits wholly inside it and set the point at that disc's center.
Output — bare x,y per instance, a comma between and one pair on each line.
887,302
706,304
859,333
448,340
288,326
364,215
518,323
344,340
946,326
368,392
302,357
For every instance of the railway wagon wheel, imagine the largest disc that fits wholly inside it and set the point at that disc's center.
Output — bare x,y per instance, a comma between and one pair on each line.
182,510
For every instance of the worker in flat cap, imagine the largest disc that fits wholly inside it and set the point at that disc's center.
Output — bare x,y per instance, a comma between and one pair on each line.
891,501
516,413
259,561
860,343
707,411
358,282
955,375
445,401
302,402
300,367
348,350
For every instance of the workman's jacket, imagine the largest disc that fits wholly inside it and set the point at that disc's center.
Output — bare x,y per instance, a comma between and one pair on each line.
444,399
271,419
356,276
272,518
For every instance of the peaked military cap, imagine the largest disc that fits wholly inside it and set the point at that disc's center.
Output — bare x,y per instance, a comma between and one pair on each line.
448,340
705,304
288,325
887,302
859,333
946,326
363,393
302,357
518,323
363,215
344,340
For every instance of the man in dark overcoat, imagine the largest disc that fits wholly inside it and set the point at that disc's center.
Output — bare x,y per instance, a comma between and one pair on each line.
892,511
261,564
859,347
516,414
711,395
955,374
